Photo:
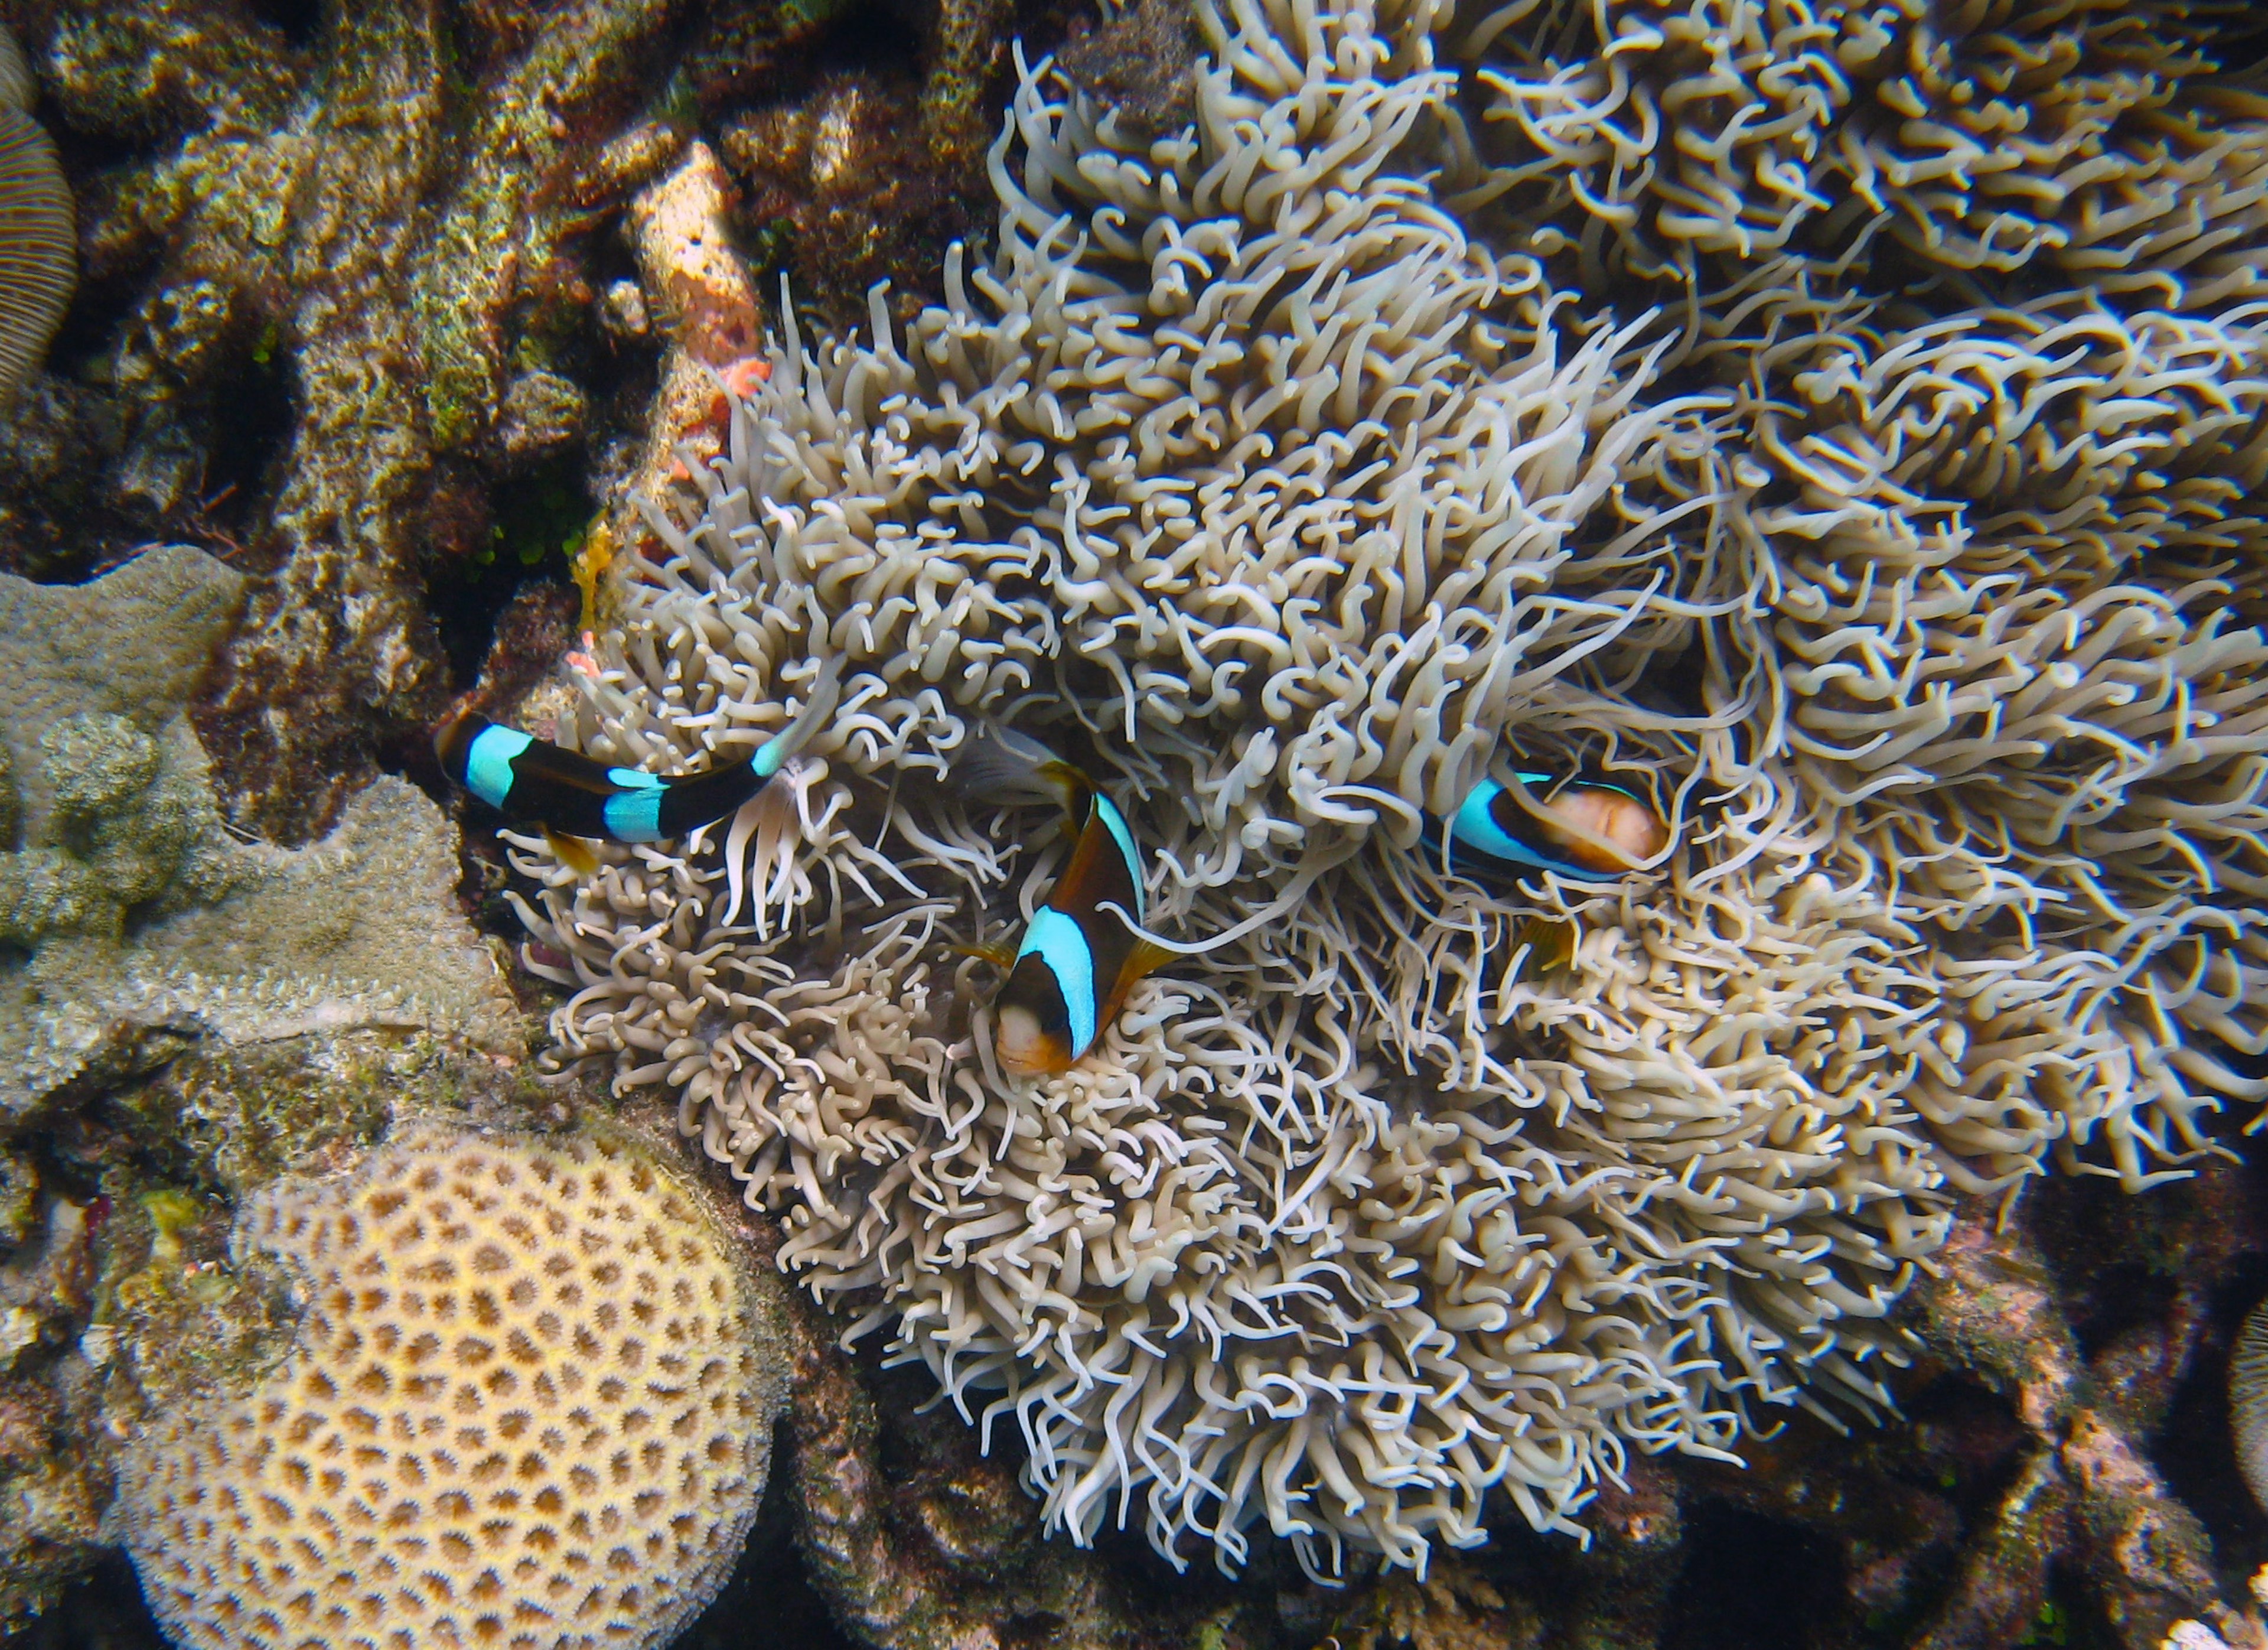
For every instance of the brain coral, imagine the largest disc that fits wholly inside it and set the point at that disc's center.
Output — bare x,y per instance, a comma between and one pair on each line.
1275,469
530,1405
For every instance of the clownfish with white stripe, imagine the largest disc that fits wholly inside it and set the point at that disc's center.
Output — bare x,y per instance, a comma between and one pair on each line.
1578,825
571,795
1069,979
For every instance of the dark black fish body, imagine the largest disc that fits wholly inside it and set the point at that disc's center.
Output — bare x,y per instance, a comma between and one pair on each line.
531,782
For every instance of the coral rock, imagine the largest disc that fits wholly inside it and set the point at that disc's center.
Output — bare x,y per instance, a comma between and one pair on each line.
531,1397
131,905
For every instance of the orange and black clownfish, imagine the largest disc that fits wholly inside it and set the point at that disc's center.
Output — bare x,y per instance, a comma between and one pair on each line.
1069,978
571,795
1580,827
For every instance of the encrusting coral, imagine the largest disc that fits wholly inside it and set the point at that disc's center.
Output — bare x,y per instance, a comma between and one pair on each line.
126,904
1260,467
529,1403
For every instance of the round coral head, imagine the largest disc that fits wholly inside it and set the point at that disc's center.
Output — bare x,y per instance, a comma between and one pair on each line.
531,1386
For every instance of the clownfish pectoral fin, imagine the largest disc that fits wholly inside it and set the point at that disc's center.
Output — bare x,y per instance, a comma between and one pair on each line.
999,956
1550,945
571,851
1143,960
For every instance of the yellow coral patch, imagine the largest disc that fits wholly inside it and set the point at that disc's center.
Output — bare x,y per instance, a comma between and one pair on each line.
529,1382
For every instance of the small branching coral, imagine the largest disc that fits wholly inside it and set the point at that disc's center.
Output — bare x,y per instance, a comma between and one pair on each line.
1244,468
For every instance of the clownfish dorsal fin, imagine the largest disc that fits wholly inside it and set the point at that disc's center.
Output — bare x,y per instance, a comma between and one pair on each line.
1001,766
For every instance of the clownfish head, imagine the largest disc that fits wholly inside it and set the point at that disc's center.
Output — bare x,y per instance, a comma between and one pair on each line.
1634,831
1026,1047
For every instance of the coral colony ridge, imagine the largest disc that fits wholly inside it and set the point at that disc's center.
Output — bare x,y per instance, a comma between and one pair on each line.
1714,398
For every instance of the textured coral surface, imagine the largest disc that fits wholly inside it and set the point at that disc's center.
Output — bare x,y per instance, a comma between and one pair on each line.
125,902
529,1403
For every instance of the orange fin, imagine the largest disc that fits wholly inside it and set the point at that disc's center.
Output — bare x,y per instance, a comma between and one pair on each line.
572,852
1551,945
999,956
1144,960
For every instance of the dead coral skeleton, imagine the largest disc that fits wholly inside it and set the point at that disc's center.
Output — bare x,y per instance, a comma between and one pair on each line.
1244,464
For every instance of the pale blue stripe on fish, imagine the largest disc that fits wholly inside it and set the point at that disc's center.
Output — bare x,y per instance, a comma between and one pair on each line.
634,816
1476,827
1124,837
488,765
1063,948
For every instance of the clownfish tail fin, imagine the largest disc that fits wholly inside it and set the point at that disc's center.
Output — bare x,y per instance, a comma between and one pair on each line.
451,739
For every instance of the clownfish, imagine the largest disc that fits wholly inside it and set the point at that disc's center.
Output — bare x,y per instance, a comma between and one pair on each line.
1069,978
531,782
1581,827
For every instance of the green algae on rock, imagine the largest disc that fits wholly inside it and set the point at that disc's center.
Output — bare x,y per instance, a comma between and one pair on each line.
514,204
346,277
336,261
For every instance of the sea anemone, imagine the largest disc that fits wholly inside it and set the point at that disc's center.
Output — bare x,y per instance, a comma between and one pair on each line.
1247,472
